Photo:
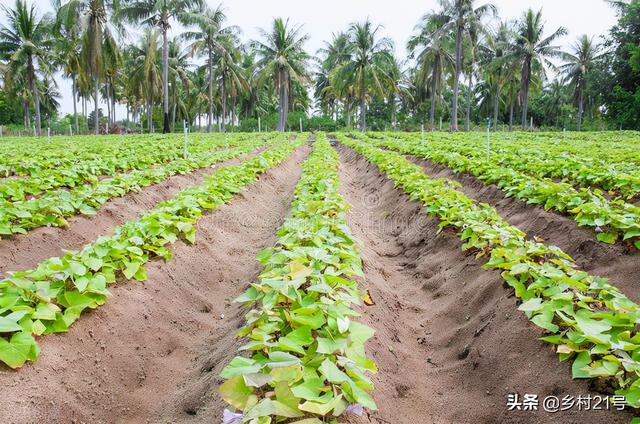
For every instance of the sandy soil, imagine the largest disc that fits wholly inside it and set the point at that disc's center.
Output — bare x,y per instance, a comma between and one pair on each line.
25,251
612,261
450,344
152,353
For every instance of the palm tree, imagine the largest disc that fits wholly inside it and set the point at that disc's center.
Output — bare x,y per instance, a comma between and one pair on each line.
619,5
145,77
473,45
371,59
496,71
212,38
579,63
68,51
330,90
282,58
49,92
533,50
94,16
25,43
160,14
431,47
231,78
179,77
112,60
459,16
396,87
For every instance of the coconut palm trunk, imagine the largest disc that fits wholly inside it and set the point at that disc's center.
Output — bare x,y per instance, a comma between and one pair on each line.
165,78
434,99
34,91
113,105
456,79
348,112
286,103
96,120
281,100
512,101
210,99
108,101
467,115
496,108
580,109
75,109
223,127
149,117
27,115
363,106
524,94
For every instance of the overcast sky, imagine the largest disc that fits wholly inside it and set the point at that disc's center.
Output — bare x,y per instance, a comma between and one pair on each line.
399,17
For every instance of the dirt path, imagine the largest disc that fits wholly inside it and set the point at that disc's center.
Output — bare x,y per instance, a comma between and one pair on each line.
25,251
614,262
450,344
149,354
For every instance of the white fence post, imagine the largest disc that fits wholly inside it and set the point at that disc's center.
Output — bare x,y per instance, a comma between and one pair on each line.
186,139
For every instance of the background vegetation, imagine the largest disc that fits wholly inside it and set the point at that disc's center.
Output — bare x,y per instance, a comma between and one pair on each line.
466,67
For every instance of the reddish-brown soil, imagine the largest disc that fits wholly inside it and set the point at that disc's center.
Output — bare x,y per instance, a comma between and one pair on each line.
611,261
25,251
450,344
153,352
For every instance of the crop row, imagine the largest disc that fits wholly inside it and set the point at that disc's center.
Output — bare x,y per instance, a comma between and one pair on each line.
53,207
613,147
546,160
305,353
37,156
613,220
129,157
590,321
23,156
51,297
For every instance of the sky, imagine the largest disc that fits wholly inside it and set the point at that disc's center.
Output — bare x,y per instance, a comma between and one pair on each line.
323,18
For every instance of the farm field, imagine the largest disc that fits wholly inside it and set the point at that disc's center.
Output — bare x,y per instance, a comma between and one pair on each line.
385,277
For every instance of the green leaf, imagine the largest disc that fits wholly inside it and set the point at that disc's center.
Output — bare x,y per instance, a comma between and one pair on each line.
282,360
291,374
22,347
296,340
545,320
46,311
592,329
531,305
239,366
313,321
322,408
131,269
77,268
8,325
329,346
235,392
332,373
94,263
582,361
609,238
